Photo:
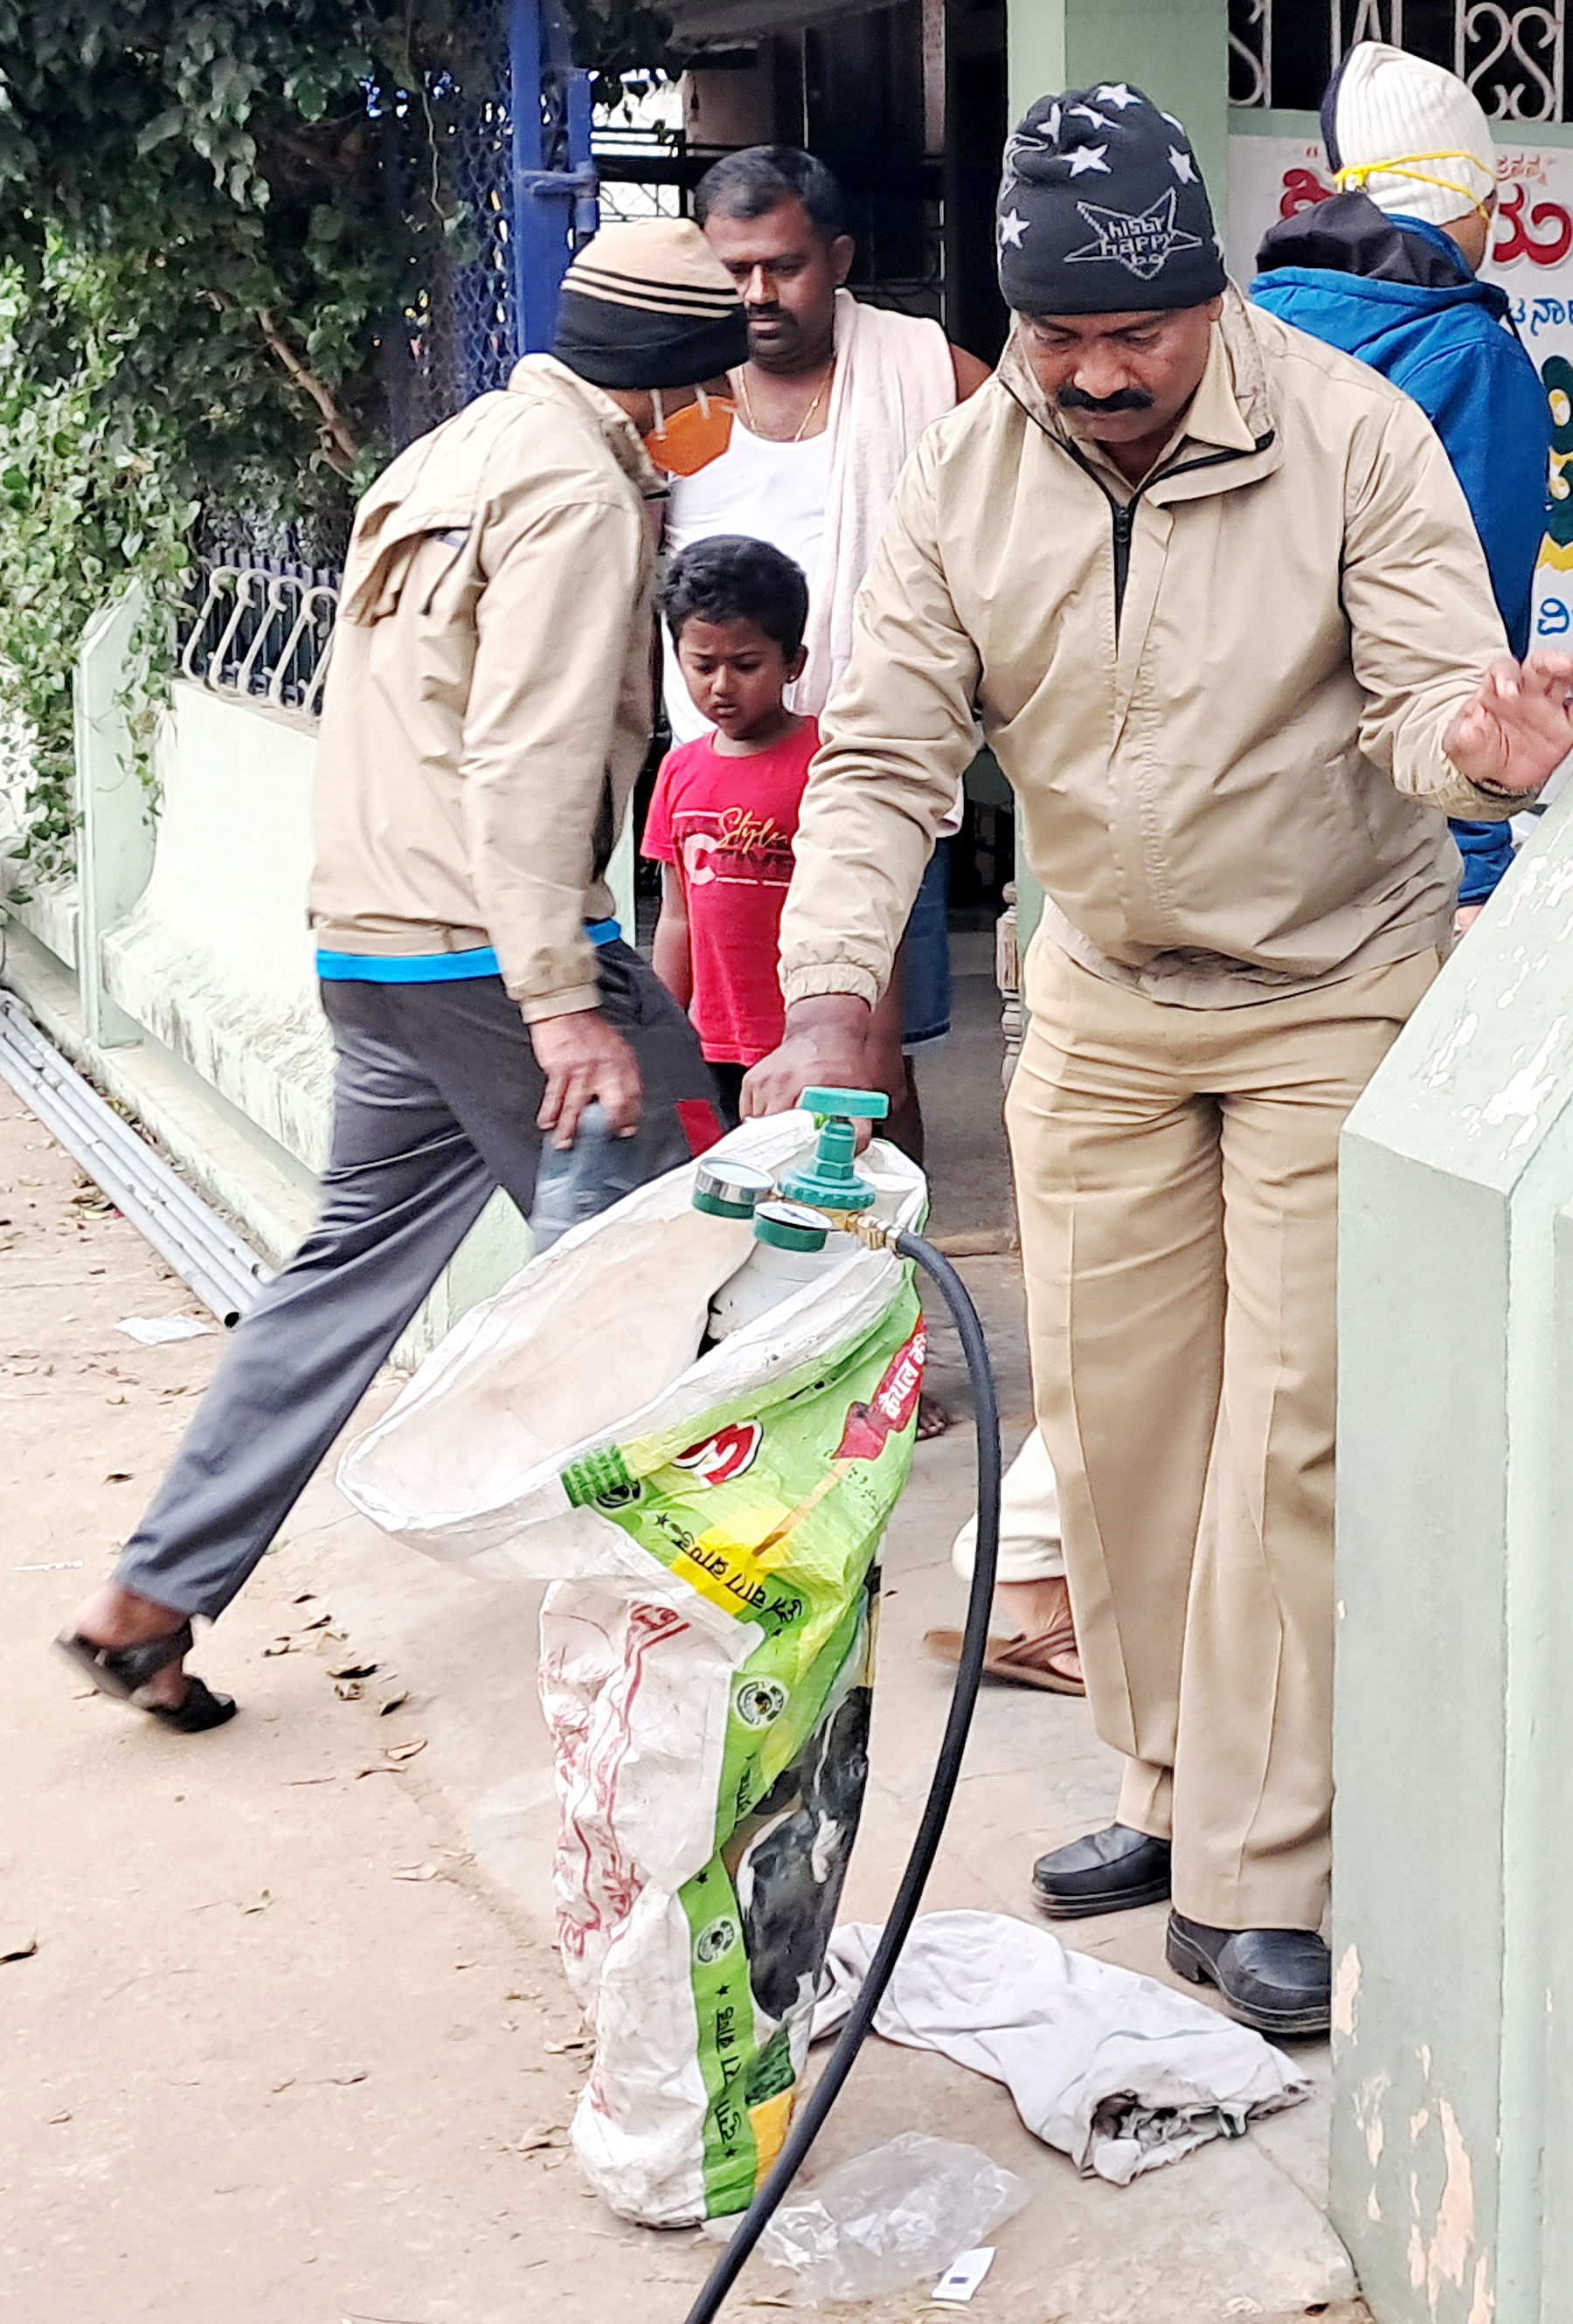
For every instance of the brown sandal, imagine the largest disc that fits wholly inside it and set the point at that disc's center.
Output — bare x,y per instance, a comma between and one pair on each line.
1019,1662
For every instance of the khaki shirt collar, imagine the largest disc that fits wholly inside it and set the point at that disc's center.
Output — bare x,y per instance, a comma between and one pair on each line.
544,376
1212,422
1231,411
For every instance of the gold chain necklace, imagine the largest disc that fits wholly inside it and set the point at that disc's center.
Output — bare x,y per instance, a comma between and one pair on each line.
803,423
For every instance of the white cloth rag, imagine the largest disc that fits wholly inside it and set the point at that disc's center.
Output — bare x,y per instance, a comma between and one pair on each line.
894,377
1113,2069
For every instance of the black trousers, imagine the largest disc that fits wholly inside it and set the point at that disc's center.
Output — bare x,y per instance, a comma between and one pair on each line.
435,1097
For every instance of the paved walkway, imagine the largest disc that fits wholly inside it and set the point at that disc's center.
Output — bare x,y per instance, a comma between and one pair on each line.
293,2031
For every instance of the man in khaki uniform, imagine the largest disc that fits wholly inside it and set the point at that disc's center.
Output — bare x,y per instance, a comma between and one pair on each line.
486,714
1217,597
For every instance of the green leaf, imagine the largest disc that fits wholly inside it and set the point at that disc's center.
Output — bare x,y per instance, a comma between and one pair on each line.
158,130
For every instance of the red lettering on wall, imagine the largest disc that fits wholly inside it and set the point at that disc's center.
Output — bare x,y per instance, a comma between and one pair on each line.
1302,189
1516,240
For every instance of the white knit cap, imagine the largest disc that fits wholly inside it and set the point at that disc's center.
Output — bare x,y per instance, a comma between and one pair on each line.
1400,125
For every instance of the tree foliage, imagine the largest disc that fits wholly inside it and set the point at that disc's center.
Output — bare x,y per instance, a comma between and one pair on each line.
89,496
222,227
266,181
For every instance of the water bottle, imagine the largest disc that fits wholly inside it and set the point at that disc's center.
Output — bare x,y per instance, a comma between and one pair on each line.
597,1171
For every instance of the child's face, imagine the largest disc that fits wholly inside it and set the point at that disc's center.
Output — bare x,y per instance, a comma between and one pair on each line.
736,674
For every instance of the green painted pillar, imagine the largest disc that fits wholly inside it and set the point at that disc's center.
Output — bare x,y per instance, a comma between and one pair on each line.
1177,51
1452,1875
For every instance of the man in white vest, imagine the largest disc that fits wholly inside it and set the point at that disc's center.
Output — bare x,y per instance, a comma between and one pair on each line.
833,398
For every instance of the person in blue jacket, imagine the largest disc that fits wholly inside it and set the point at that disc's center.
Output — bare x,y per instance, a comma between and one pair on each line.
1385,269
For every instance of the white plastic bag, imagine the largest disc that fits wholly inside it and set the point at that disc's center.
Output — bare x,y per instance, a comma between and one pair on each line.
455,1468
896,2216
711,1526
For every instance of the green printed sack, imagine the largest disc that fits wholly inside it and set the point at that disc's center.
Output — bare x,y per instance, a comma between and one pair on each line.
707,1644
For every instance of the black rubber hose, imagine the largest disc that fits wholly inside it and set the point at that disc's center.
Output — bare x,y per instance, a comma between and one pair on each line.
811,2117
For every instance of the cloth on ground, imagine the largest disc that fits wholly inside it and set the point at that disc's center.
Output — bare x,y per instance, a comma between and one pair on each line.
1113,2069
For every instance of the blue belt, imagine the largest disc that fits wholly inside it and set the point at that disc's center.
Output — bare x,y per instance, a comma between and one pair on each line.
431,967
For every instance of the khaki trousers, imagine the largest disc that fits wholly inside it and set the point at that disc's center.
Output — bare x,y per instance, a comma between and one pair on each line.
1177,1180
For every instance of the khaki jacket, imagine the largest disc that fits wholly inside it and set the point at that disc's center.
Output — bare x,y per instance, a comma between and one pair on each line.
1220,700
488,705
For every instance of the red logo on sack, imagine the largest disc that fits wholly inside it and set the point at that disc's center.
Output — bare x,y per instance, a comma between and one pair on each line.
870,1427
725,1455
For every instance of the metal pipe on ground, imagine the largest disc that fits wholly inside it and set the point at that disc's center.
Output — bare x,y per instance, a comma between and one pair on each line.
226,1274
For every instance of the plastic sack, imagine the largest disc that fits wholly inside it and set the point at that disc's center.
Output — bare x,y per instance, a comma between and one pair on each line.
893,2217
706,1650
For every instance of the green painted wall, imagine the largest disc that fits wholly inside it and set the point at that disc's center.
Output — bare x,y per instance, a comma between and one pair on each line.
1176,50
1453,1882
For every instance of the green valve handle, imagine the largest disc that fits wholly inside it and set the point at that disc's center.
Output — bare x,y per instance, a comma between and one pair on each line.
852,1105
827,1180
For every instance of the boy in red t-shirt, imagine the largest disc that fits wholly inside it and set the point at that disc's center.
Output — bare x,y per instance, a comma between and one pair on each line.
725,812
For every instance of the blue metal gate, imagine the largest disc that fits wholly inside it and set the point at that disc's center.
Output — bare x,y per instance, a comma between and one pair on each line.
553,179
519,160
514,148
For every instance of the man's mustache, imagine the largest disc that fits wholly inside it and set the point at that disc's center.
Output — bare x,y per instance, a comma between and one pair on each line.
1124,399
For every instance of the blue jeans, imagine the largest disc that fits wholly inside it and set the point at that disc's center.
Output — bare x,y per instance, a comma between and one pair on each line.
926,956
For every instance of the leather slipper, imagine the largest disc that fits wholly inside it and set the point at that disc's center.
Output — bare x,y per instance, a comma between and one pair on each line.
124,1672
1019,1662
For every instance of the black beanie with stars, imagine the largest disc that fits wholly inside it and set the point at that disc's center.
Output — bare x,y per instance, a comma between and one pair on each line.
1102,209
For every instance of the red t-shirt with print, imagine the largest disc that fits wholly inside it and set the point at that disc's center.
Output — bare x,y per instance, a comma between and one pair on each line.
727,824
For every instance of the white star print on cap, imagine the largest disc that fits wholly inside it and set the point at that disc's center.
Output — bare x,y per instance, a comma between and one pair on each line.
1089,113
1183,167
1115,93
1088,157
1012,226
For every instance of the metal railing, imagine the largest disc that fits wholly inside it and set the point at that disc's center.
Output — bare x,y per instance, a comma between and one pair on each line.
262,633
1513,53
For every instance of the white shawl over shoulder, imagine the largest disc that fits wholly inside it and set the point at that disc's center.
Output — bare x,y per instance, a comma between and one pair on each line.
894,378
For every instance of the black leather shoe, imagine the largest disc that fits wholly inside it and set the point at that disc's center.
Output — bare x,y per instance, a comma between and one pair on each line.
1278,1980
1107,1872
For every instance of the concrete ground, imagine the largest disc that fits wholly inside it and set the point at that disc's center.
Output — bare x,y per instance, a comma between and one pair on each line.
308,2061
961,1092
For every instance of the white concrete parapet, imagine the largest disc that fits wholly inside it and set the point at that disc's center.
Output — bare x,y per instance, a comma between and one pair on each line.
215,960
176,968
